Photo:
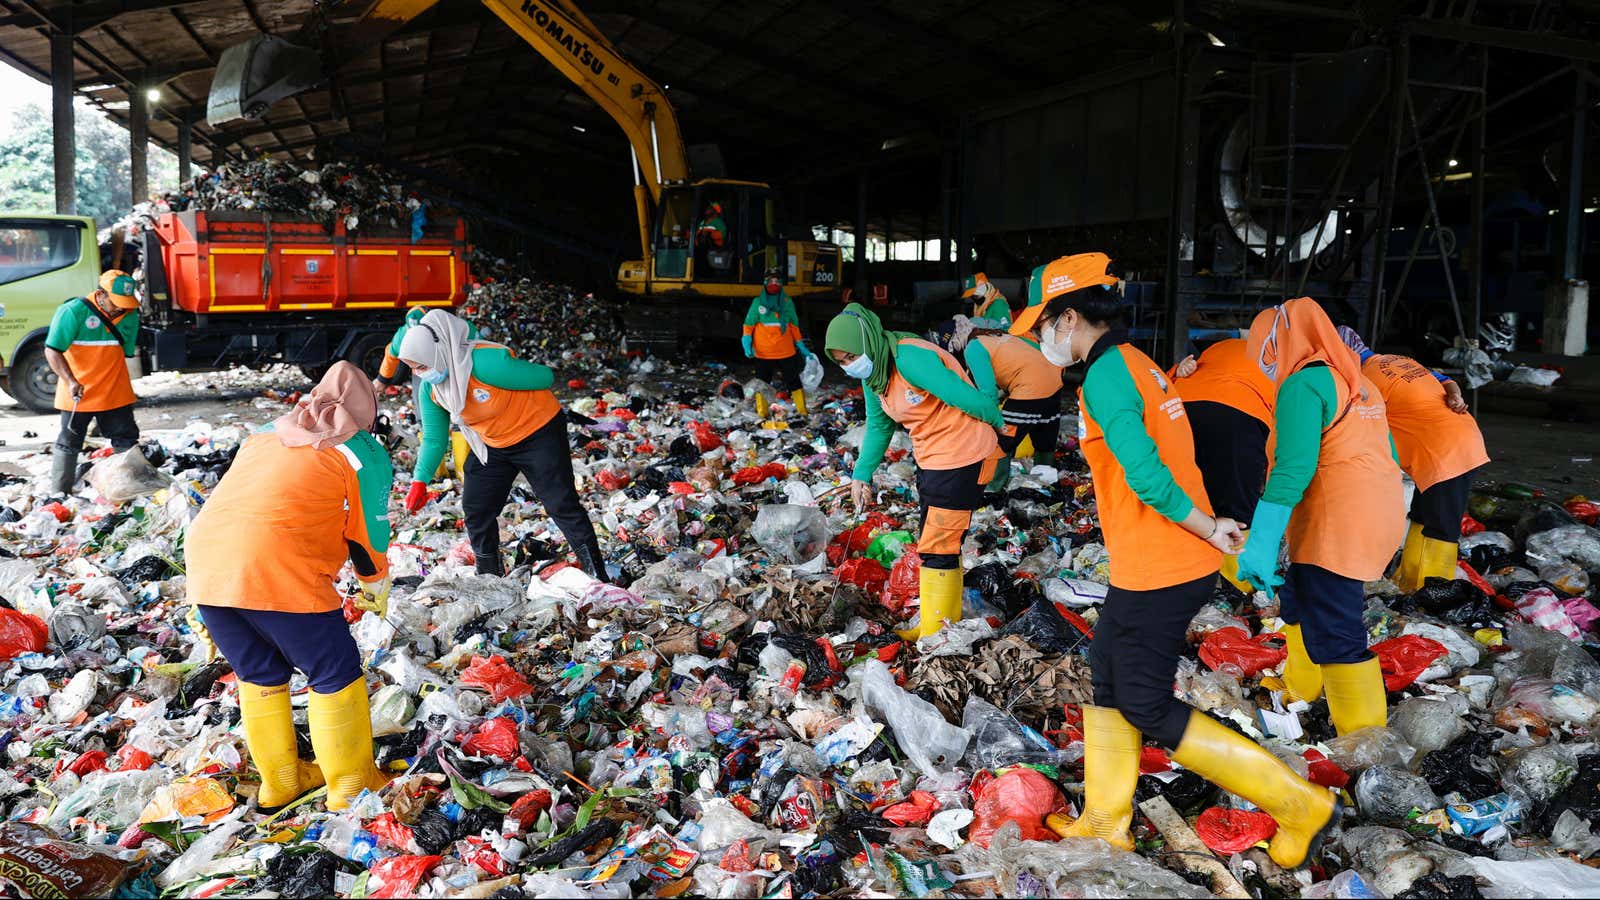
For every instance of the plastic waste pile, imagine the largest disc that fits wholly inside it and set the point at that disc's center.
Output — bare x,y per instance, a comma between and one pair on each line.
736,716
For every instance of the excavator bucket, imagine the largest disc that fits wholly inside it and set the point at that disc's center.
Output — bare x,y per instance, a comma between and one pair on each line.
258,73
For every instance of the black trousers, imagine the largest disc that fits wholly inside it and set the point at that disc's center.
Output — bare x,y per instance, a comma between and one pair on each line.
1439,508
117,425
1134,656
948,498
543,458
782,374
1328,608
1037,419
1230,448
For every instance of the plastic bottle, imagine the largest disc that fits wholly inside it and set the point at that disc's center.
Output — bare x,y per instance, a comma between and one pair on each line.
346,841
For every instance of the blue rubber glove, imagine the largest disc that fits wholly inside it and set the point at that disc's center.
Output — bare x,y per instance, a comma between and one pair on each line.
749,347
805,352
1258,562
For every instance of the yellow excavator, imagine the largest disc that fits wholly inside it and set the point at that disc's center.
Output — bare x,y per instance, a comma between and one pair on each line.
698,237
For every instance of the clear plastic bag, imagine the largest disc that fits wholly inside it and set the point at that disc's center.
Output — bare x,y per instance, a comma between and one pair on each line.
922,734
998,739
1074,868
1368,747
1430,722
811,375
1388,795
792,534
1567,543
125,476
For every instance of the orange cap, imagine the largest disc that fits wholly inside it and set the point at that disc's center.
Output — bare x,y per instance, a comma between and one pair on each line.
1063,276
116,283
971,284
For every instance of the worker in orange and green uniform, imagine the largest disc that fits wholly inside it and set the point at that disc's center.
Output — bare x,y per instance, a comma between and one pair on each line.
772,338
1165,548
1011,365
1335,489
1230,411
1439,446
910,382
512,424
89,339
990,309
304,495
389,369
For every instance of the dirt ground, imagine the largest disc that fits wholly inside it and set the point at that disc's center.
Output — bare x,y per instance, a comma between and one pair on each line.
1556,456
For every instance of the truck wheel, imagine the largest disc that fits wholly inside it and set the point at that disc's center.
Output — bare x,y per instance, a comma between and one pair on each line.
31,382
366,353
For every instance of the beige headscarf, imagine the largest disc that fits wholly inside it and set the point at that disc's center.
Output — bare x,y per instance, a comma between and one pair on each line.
341,404
443,342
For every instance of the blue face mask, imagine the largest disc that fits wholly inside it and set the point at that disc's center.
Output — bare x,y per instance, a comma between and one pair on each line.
860,367
434,376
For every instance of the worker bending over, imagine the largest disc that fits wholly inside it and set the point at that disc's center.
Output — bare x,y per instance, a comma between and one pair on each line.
89,339
512,423
1230,412
1439,446
1012,365
304,494
389,369
1335,488
990,309
1164,548
909,381
772,338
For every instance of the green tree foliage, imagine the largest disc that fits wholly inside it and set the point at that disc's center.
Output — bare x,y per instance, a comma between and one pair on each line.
27,164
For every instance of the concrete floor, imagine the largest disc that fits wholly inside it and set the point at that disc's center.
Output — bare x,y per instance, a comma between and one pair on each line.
1556,456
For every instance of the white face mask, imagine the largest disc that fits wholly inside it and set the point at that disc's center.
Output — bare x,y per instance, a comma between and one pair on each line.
860,367
1057,350
434,376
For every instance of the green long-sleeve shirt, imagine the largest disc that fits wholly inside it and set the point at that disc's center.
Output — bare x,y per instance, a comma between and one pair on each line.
1308,402
993,313
925,370
494,366
982,369
1113,400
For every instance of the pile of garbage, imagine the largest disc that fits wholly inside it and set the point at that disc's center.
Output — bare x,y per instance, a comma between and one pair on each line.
736,716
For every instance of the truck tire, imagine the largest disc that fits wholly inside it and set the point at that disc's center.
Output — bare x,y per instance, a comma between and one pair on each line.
366,352
31,382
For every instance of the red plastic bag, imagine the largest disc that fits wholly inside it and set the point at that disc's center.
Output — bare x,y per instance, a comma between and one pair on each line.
500,680
400,875
525,811
1153,760
21,633
394,832
1469,525
1584,510
915,811
61,513
1230,831
131,757
705,437
1022,796
867,574
1325,771
496,737
757,474
612,480
88,761
1237,650
904,586
1405,657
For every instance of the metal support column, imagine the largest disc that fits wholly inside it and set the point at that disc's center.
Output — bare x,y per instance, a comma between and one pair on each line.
861,292
1572,214
964,211
1476,159
1175,328
61,123
1399,61
185,146
946,213
138,142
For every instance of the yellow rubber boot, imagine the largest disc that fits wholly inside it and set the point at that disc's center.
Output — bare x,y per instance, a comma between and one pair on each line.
1408,576
1304,812
1025,448
1110,773
799,397
1301,676
1438,558
458,454
269,735
341,734
1356,696
762,406
941,601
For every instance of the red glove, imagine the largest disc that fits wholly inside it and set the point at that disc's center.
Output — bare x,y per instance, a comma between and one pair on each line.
417,496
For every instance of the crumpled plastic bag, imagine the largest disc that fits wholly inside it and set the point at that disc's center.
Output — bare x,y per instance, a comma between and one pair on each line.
1236,652
1230,831
811,374
1022,796
126,476
497,677
1071,869
1043,626
922,734
904,585
21,633
792,534
1405,657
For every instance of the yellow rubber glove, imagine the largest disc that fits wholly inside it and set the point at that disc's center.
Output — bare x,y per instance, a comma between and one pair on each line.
201,633
375,597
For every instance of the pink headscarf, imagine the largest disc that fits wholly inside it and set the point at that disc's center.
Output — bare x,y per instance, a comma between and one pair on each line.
341,404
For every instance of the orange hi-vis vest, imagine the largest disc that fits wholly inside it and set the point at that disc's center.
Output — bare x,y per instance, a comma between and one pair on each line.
502,416
942,437
1147,550
1434,443
1020,368
1226,376
1352,516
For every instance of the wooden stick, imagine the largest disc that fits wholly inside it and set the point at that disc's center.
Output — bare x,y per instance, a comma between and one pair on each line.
1196,855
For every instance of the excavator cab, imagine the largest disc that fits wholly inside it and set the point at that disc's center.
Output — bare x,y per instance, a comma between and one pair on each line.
716,231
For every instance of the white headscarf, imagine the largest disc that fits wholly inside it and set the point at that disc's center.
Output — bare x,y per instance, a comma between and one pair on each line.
441,341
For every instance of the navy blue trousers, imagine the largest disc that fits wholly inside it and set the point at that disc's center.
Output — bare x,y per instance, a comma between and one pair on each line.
1327,607
265,647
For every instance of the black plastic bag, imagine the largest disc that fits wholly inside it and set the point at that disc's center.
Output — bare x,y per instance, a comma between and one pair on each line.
1455,767
301,876
1440,595
1188,793
593,833
1044,628
1437,886
145,568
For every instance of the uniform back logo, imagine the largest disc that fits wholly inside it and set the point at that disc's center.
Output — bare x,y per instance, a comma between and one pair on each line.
914,398
480,394
92,322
